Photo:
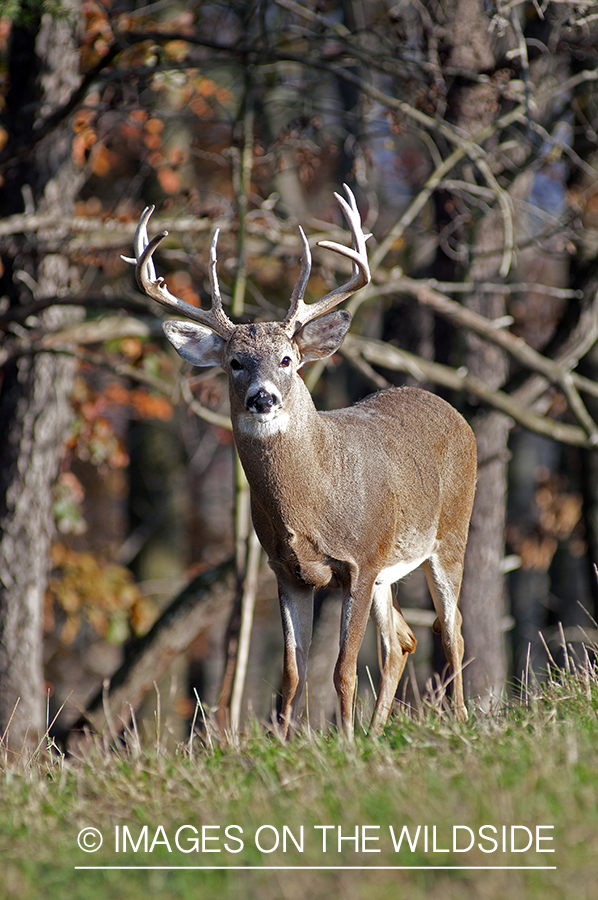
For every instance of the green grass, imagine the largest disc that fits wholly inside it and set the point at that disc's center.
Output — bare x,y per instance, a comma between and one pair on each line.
531,764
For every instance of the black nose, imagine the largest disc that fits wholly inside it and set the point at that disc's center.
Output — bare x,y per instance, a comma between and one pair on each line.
261,401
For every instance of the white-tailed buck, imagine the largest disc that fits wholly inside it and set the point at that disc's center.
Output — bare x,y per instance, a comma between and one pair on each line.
354,498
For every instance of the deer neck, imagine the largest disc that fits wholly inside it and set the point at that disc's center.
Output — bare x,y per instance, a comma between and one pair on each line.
289,449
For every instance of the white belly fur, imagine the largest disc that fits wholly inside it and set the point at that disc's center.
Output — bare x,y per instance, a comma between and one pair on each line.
399,570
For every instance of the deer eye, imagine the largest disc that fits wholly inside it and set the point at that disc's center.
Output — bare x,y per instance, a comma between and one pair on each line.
236,365
285,362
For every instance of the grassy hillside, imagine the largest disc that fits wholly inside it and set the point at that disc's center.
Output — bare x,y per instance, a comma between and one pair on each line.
527,774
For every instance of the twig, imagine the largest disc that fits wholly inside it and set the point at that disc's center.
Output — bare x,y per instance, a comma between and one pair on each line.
192,610
208,415
504,287
516,346
17,149
106,329
27,223
242,168
4,736
19,314
243,529
247,607
521,52
505,203
415,207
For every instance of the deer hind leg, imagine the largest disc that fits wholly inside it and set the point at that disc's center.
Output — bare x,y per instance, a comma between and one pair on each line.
397,641
444,580
297,610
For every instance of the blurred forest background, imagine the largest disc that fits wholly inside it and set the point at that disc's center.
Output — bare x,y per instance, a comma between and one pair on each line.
468,132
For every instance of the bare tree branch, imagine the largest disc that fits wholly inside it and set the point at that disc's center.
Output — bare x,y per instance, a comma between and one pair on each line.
392,358
496,334
107,329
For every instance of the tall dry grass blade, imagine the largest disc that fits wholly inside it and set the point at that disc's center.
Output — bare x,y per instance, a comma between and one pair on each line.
192,731
565,648
158,719
12,715
108,712
526,672
588,614
46,735
369,674
416,693
548,653
208,726
132,730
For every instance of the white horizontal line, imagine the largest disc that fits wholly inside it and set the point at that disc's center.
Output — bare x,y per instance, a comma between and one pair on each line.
316,868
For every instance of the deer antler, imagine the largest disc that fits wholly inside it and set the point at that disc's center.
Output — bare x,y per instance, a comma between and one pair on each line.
301,312
145,272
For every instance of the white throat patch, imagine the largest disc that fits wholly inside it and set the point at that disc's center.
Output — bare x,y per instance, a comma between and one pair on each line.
263,425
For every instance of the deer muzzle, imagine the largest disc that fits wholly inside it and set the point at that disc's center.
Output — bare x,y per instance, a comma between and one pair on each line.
262,402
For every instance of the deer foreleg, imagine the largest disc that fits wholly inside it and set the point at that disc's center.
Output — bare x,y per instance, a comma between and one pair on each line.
356,611
297,607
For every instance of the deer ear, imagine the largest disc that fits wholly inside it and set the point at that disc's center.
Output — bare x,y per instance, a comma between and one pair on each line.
322,337
196,344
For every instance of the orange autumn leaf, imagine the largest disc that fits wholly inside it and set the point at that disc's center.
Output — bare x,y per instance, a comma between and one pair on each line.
170,181
200,107
116,393
86,586
146,405
131,347
206,87
139,116
150,406
223,95
83,119
82,144
182,286
154,126
152,141
102,160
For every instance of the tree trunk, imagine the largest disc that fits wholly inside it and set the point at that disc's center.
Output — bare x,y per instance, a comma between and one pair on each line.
482,597
474,106
34,407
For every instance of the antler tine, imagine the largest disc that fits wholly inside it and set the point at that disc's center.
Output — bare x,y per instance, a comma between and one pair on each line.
301,312
145,272
218,314
141,240
297,304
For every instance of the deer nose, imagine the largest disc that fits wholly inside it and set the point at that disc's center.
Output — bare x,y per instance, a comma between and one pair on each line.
261,401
